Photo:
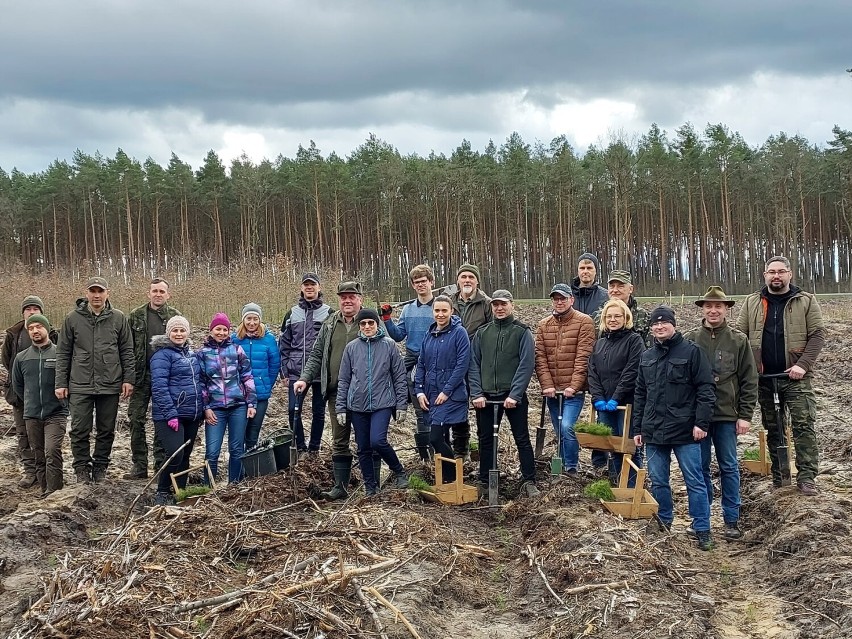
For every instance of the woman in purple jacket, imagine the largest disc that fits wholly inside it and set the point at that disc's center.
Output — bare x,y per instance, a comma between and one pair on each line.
439,379
229,396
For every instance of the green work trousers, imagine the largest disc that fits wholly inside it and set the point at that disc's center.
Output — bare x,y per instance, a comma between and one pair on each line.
101,412
797,397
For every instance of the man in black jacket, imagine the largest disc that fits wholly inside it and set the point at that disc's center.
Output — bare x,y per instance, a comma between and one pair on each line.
589,296
672,408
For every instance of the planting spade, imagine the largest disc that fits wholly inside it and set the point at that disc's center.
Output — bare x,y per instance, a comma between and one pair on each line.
493,473
541,431
294,452
783,448
556,460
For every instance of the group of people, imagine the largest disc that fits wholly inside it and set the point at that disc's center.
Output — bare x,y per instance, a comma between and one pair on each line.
462,347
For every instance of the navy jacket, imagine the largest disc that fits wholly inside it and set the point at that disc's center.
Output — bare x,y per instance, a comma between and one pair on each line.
176,389
441,368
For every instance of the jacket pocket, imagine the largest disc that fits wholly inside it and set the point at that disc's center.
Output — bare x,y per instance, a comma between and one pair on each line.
677,371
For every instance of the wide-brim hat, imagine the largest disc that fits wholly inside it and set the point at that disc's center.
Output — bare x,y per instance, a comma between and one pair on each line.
715,294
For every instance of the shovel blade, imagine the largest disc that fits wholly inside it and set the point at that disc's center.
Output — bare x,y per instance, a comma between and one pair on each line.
294,456
556,466
540,434
784,465
493,487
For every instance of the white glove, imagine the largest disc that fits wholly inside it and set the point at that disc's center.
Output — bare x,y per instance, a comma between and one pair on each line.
341,418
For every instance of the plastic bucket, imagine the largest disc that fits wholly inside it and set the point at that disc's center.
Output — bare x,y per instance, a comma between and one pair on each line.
259,461
281,440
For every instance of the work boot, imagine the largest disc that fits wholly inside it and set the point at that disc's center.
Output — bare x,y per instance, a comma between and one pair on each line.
530,490
27,481
732,530
83,475
164,499
137,472
705,541
424,448
401,480
342,467
377,471
98,475
808,487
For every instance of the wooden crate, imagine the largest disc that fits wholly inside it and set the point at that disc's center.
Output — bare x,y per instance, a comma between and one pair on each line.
614,443
763,465
632,503
453,493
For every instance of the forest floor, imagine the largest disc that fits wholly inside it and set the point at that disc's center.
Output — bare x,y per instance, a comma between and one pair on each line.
282,563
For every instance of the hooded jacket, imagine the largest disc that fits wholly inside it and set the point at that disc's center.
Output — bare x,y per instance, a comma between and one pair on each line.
176,389
299,332
442,368
265,361
674,392
16,341
372,376
94,355
225,375
33,378
804,329
614,365
563,344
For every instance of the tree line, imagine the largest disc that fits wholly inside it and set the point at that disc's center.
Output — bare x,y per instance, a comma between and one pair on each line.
681,212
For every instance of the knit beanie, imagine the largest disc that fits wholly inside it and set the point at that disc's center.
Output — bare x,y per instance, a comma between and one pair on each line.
663,314
38,318
251,308
470,268
367,313
32,300
177,320
592,258
220,319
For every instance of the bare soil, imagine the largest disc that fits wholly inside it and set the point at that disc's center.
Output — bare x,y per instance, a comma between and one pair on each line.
556,566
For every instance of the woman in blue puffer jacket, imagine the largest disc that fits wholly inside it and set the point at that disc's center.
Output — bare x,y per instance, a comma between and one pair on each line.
177,401
439,379
262,350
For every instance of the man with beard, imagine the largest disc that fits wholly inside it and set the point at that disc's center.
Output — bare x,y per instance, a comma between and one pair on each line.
785,329
17,340
620,287
299,332
336,332
94,368
33,378
589,297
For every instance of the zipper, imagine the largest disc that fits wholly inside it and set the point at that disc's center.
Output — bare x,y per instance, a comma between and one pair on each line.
40,397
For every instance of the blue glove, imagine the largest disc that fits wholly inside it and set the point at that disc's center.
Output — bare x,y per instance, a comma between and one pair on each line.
611,406
600,405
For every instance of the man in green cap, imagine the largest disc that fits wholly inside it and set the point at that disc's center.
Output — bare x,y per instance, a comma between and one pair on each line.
17,340
735,376
33,378
146,321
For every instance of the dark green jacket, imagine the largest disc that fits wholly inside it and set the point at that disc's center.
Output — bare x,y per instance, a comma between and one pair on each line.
94,355
33,378
138,321
502,359
16,341
734,370
317,364
475,313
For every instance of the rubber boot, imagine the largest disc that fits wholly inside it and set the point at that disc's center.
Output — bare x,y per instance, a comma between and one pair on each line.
342,467
377,471
461,442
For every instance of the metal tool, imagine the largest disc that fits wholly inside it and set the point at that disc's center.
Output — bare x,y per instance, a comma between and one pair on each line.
541,431
783,450
556,461
494,473
294,451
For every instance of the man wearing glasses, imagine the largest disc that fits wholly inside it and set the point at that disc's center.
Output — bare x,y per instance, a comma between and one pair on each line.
785,329
412,326
146,321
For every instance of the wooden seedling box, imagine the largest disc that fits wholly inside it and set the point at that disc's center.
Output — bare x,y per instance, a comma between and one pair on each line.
632,503
614,443
453,493
763,465
201,466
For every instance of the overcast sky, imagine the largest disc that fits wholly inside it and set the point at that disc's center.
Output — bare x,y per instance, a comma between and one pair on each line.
264,76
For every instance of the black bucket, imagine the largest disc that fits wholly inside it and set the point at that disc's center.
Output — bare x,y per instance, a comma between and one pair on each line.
259,461
281,440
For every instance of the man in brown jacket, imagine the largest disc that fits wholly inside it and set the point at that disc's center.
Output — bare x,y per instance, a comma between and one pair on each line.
563,343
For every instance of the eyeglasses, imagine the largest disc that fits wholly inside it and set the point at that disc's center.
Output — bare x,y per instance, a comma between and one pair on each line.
366,322
420,282
773,273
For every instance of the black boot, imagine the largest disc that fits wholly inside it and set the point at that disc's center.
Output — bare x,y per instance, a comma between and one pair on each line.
342,466
461,441
377,471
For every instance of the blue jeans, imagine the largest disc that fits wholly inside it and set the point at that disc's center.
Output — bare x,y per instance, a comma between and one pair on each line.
234,420
615,420
371,436
254,423
571,408
317,416
689,459
723,436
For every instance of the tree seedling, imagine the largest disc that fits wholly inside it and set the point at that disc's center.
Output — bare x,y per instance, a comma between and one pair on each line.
751,454
590,428
191,491
599,490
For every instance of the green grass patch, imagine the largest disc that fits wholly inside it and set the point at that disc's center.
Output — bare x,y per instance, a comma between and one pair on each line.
593,429
751,454
415,482
191,491
599,489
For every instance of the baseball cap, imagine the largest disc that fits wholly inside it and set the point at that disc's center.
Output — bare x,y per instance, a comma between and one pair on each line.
620,276
349,287
502,295
561,289
310,277
98,282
